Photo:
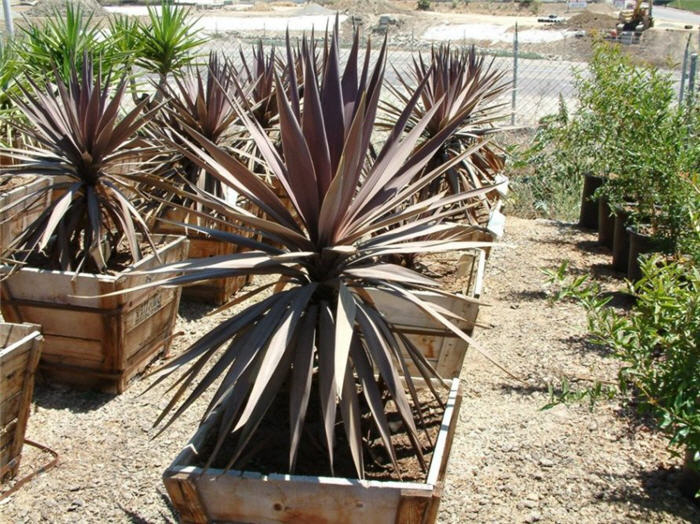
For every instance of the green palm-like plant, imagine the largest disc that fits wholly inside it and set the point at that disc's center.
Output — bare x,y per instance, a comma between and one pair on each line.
168,40
124,35
9,67
462,87
81,146
321,334
61,42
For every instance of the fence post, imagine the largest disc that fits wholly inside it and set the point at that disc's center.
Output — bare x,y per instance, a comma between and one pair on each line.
691,78
515,74
683,67
9,27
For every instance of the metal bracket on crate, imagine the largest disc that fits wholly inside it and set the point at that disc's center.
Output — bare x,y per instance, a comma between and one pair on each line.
21,482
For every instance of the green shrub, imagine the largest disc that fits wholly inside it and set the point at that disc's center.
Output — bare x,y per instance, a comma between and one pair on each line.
61,42
658,343
169,40
626,128
547,174
423,5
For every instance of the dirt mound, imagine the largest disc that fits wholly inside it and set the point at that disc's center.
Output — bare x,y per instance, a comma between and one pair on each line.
589,21
362,7
45,8
312,9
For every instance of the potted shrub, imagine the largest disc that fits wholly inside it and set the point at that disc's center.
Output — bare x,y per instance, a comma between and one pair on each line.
306,356
621,239
463,88
90,238
201,103
589,215
612,101
597,123
662,190
640,139
658,345
606,222
19,354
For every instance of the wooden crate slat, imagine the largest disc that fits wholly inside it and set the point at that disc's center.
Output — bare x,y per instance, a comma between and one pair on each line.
15,220
97,342
440,346
236,496
18,362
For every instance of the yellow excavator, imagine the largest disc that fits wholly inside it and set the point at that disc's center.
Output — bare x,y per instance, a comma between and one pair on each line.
637,19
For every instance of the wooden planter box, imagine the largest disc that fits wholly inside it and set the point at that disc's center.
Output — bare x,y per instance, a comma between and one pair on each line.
444,350
15,220
21,347
235,496
217,291
97,343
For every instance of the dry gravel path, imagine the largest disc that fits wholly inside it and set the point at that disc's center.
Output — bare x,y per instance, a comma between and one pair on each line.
511,462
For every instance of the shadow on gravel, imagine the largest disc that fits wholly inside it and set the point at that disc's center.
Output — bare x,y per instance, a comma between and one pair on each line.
193,310
174,515
620,300
524,389
582,345
526,296
606,270
134,518
661,493
590,246
51,396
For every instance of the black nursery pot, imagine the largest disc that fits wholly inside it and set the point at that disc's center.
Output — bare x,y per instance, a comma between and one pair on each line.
606,223
621,240
641,244
689,483
589,208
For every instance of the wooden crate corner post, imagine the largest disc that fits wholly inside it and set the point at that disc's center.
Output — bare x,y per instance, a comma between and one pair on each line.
19,357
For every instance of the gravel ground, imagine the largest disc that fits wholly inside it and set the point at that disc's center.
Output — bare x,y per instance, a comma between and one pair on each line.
510,461
513,462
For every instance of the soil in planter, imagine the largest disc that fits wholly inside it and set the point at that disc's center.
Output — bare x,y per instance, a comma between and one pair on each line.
121,260
268,451
443,268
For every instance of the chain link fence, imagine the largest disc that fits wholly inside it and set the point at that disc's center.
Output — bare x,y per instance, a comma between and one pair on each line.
538,83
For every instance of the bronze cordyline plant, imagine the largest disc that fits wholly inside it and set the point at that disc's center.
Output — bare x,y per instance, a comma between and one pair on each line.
196,100
85,147
255,79
320,334
462,87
